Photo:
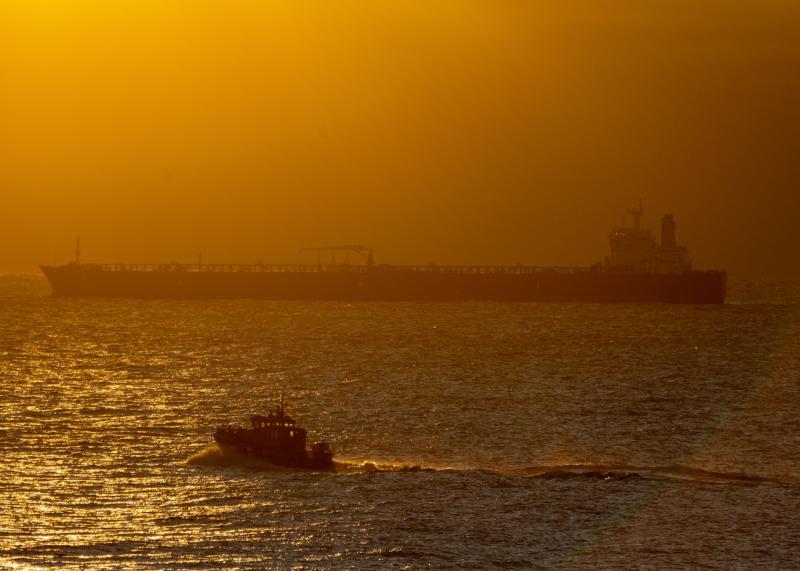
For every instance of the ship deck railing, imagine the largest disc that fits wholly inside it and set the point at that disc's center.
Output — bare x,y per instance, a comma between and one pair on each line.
333,268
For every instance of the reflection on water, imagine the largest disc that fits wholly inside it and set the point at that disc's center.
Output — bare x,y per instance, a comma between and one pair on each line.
466,434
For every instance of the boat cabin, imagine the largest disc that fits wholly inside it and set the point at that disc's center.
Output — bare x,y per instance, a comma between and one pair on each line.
280,429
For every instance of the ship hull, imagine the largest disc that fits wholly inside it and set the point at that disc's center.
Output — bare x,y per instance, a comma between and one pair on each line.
392,284
248,443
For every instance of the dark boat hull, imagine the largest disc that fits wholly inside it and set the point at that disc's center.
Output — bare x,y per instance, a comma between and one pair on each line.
392,283
300,458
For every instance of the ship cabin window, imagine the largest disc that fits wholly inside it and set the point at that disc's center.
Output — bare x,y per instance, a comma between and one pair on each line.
291,434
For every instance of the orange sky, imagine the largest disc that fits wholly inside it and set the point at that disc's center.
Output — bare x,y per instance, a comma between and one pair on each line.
456,131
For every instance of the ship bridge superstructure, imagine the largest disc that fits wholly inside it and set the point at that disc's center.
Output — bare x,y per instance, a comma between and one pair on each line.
635,249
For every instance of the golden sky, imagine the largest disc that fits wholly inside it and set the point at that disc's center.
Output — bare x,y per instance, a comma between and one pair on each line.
456,131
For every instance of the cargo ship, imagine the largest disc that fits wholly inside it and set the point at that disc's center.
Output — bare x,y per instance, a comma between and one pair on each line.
639,268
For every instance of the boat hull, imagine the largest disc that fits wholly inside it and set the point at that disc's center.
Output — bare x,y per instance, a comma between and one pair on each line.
300,458
394,283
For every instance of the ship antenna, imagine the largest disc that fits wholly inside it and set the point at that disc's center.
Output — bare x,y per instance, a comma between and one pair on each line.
77,250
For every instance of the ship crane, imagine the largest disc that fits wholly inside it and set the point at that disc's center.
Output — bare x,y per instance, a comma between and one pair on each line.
347,248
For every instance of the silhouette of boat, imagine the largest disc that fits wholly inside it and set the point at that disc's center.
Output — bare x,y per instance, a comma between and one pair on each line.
277,439
638,269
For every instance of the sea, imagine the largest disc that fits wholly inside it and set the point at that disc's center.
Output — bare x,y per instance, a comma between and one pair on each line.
467,435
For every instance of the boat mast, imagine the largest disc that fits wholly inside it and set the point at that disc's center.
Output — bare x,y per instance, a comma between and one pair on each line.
77,250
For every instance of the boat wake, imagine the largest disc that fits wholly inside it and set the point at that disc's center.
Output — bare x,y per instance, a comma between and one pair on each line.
224,456
610,473
577,472
362,465
227,456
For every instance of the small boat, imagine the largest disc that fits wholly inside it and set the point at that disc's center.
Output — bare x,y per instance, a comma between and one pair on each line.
277,439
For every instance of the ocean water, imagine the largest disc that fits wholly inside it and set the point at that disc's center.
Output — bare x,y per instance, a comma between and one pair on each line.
468,435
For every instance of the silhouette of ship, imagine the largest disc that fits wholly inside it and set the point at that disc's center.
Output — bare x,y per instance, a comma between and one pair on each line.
277,439
639,269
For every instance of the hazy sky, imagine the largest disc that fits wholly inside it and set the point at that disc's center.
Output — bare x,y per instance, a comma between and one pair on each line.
455,131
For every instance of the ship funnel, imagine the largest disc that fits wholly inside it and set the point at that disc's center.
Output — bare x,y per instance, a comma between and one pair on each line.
668,232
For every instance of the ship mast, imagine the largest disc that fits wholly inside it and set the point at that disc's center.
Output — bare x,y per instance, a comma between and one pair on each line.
637,215
77,250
